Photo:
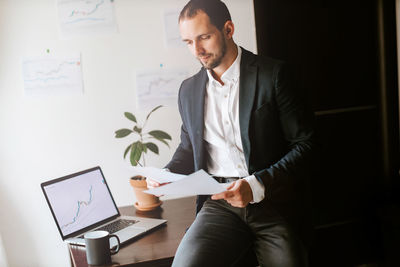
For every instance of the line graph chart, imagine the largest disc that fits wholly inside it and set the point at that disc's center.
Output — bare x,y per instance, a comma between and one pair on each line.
87,13
80,201
52,74
158,87
155,85
86,17
79,204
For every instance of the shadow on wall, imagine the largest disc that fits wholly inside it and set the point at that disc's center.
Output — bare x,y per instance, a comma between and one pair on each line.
14,235
3,258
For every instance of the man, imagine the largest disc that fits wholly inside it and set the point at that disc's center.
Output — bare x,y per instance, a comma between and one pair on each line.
244,123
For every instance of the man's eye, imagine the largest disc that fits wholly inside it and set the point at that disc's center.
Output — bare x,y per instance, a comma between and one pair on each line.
205,37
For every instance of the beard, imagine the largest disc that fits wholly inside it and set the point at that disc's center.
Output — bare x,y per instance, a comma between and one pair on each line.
215,59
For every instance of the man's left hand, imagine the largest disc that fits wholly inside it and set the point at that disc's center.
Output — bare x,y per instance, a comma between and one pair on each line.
238,194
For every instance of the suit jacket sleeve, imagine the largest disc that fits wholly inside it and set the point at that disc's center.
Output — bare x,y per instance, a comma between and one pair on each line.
182,161
283,177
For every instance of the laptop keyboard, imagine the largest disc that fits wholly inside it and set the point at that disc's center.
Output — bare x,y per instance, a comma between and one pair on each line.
117,225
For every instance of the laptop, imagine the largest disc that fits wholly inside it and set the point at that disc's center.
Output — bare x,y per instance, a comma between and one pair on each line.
82,202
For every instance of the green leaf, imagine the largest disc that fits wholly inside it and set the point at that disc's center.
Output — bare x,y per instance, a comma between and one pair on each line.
127,150
122,133
137,129
154,109
162,140
152,147
160,135
130,116
136,153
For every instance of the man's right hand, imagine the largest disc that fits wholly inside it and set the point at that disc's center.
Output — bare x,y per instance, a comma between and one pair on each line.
152,183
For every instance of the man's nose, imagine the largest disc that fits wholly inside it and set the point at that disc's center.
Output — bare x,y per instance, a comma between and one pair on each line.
198,49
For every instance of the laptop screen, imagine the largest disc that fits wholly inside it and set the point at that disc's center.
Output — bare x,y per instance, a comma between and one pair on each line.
79,200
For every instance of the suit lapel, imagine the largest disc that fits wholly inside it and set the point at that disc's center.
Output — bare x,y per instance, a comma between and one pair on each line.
197,115
247,89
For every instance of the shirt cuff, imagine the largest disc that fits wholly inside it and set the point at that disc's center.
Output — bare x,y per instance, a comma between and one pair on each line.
257,188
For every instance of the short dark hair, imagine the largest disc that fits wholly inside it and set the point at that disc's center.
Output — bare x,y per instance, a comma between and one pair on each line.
215,9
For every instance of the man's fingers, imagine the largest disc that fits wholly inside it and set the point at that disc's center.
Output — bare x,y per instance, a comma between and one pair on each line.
238,194
218,196
153,184
235,202
223,195
226,194
231,185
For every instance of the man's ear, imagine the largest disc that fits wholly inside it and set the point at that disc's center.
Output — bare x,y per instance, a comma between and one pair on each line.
229,29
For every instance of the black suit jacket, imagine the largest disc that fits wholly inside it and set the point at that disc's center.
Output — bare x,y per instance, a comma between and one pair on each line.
275,125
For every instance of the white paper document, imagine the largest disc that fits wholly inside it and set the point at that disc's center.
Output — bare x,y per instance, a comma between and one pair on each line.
198,183
52,75
86,17
171,27
158,87
159,175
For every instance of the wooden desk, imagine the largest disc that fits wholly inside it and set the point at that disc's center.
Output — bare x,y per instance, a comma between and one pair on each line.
152,249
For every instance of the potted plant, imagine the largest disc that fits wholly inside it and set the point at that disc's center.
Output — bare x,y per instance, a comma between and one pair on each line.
137,150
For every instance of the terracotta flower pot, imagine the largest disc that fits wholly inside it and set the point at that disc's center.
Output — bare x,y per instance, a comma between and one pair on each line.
145,201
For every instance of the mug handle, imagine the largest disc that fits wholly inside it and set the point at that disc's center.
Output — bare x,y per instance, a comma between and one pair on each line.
115,250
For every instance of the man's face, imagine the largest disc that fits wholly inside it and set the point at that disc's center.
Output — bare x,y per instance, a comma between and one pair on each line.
203,39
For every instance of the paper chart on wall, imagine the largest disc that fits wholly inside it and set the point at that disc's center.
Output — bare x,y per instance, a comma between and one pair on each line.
161,87
52,75
171,28
85,17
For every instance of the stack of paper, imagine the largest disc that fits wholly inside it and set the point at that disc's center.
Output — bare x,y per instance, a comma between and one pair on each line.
198,183
159,175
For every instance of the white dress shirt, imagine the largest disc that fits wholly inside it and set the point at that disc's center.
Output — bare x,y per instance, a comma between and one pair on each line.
222,129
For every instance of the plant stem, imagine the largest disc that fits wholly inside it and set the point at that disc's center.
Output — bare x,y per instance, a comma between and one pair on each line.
144,124
143,153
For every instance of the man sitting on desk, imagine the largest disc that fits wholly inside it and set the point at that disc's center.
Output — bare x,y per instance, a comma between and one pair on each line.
243,122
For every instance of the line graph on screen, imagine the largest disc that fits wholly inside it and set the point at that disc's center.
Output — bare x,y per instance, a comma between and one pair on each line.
80,203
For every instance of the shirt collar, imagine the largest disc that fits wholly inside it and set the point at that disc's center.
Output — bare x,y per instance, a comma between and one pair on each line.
232,73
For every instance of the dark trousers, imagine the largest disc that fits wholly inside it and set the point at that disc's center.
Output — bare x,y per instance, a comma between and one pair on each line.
221,235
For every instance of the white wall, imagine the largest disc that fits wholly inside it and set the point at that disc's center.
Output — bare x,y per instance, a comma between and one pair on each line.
3,256
47,137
